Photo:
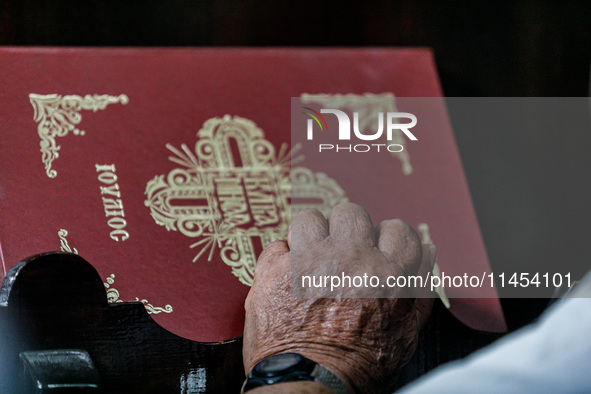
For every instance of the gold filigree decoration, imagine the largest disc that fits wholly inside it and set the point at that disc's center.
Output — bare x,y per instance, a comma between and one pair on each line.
58,115
227,201
426,238
113,297
368,105
314,190
64,246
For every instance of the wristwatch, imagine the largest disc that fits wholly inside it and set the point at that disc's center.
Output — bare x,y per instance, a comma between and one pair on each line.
291,367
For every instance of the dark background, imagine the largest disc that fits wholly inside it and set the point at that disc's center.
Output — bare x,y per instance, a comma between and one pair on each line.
482,48
531,191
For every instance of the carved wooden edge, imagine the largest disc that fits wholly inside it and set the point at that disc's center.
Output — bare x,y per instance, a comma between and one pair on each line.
11,282
57,300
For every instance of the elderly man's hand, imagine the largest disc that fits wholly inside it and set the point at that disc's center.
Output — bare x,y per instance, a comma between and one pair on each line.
364,341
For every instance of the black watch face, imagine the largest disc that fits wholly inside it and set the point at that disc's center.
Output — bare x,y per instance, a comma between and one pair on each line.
277,364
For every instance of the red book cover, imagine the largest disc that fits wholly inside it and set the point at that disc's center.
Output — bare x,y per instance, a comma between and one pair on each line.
168,169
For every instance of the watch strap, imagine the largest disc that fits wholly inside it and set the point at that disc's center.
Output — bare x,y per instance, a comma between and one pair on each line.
329,379
309,370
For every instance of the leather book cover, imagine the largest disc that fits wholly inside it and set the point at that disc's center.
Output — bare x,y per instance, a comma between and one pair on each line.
169,169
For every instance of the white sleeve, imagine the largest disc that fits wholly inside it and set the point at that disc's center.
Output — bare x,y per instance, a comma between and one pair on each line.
550,356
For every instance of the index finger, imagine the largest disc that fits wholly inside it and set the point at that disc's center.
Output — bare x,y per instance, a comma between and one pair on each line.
307,227
269,256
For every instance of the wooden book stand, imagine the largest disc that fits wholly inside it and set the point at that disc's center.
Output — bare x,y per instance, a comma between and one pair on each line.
59,333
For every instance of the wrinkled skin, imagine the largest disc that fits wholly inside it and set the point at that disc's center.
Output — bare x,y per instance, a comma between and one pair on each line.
364,341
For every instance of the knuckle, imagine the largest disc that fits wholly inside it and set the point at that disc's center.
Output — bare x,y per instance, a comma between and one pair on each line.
403,230
350,213
403,237
348,208
397,224
272,251
307,214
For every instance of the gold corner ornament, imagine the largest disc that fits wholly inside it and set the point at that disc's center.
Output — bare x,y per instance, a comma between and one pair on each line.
59,115
113,297
226,201
112,293
64,246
